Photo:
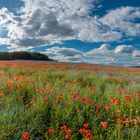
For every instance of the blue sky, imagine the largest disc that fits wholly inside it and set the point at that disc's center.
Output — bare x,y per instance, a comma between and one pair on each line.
90,31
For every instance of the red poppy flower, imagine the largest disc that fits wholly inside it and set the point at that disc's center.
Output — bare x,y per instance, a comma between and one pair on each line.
27,105
127,98
67,136
1,95
26,135
68,131
51,130
107,107
86,125
103,124
45,99
63,128
115,101
119,120
87,131
74,96
82,130
54,102
88,135
97,105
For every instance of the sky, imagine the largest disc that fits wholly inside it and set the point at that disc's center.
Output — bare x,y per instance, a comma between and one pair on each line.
83,31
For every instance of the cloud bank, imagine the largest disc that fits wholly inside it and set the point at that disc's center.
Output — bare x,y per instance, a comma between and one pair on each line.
121,55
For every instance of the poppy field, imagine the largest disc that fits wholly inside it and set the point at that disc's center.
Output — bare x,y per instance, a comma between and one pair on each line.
61,101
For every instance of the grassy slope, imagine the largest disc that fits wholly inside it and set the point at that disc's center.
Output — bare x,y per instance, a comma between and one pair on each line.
36,97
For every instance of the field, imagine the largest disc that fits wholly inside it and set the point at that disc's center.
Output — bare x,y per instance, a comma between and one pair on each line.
54,101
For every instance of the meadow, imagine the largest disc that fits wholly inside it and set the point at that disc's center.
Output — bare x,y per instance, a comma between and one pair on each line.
52,101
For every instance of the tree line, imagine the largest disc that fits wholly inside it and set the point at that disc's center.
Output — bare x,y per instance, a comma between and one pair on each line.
23,55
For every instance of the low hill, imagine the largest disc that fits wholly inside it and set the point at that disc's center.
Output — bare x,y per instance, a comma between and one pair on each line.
23,55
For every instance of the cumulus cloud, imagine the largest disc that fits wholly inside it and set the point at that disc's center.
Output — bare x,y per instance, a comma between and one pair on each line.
123,19
124,49
136,53
102,55
103,50
64,54
46,21
50,22
6,17
105,47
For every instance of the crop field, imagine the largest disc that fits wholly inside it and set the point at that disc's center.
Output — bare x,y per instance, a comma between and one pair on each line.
63,101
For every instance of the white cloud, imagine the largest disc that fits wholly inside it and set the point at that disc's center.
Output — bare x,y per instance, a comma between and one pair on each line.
123,19
105,47
62,7
124,49
101,55
64,54
50,22
103,50
136,53
5,16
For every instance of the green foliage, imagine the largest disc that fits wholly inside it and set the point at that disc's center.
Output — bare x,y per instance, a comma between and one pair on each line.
23,55
25,108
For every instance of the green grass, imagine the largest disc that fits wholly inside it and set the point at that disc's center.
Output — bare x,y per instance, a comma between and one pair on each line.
23,109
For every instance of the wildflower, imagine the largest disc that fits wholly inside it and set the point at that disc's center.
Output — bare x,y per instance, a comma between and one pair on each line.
127,98
68,131
67,136
51,130
88,135
82,130
27,105
87,131
92,88
45,99
54,102
107,107
86,125
88,101
83,99
78,111
113,116
103,124
26,135
127,122
60,96
63,128
97,105
74,96
115,101
119,120
1,95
